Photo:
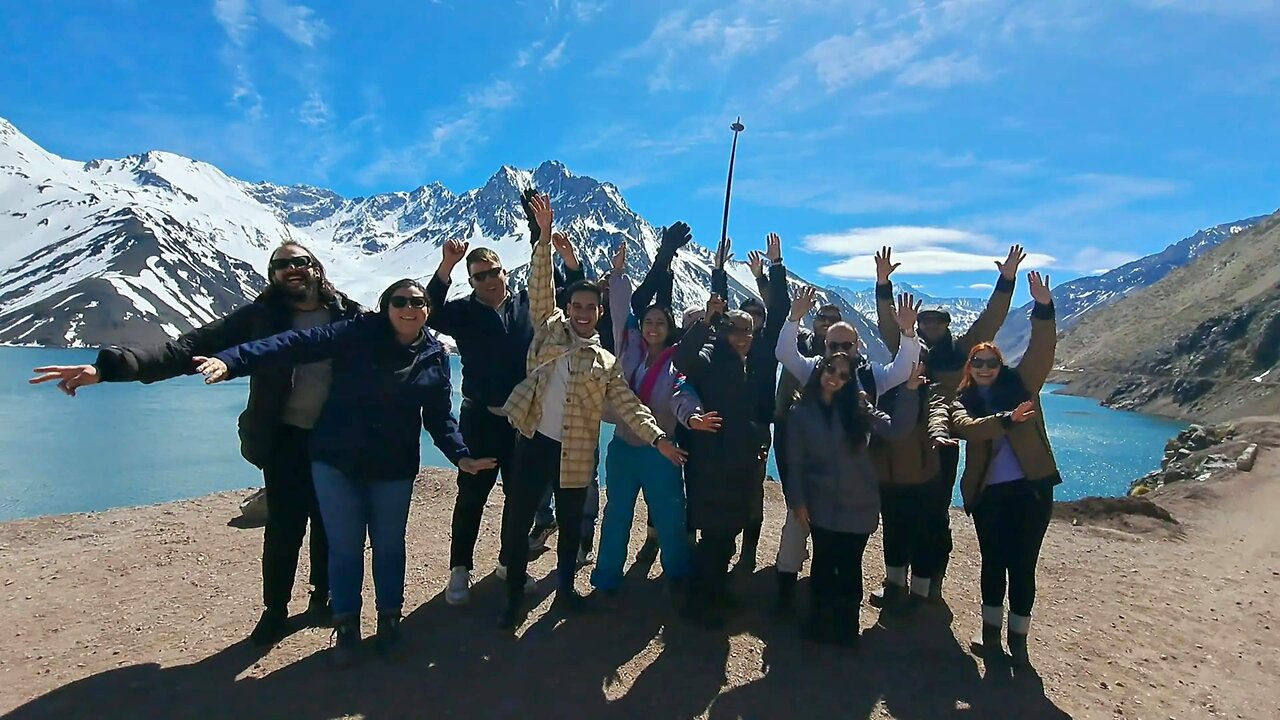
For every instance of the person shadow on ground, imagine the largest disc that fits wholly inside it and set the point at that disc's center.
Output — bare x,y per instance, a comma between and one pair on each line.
592,665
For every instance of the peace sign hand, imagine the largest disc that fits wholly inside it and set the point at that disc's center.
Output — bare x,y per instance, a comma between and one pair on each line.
69,377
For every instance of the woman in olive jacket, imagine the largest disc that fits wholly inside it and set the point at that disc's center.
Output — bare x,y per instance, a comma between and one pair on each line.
1009,472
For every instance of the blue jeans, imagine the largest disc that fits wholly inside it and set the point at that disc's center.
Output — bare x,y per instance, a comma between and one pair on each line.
590,508
351,508
628,470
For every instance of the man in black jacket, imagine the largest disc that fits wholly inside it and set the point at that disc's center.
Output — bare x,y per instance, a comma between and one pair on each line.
274,428
493,329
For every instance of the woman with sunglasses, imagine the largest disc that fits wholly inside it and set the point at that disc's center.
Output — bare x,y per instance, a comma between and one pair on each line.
390,378
1009,472
833,488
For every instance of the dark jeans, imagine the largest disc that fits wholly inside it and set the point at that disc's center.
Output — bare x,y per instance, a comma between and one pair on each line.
590,507
711,566
291,501
940,506
486,435
836,574
1011,520
908,539
536,464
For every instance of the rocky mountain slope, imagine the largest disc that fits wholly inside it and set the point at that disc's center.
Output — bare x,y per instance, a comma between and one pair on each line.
140,249
1203,343
1082,295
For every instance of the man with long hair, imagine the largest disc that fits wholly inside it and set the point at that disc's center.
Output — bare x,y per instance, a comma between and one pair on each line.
284,404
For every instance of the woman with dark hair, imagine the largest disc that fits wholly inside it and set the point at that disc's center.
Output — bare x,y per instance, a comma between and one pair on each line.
1009,472
644,351
390,378
833,488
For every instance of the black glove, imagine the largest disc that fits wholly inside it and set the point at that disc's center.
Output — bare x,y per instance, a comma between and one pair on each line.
535,233
675,237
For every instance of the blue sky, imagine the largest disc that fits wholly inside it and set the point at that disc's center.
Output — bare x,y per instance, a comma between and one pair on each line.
1092,132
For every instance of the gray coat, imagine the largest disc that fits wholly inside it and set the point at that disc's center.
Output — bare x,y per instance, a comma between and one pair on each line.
836,483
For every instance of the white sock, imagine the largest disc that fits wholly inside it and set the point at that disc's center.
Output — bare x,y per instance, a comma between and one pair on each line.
993,615
920,586
896,575
1019,624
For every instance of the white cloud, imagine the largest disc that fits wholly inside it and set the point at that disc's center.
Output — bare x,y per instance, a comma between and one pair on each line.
982,286
495,96
1095,260
315,111
921,250
554,57
298,22
843,60
236,19
715,37
945,71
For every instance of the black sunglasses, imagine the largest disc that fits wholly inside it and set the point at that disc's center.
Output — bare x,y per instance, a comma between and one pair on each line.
301,261
489,274
980,363
830,318
831,370
839,346
733,329
403,301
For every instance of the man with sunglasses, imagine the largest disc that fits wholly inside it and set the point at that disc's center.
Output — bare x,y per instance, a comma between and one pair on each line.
873,378
493,329
944,355
284,404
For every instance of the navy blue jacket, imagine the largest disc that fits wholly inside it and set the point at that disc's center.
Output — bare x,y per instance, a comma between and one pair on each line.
492,343
381,391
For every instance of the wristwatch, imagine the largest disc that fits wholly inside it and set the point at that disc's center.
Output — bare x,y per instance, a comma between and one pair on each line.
660,438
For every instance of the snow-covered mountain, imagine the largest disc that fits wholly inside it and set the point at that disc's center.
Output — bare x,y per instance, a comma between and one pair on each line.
140,249
1075,298
963,310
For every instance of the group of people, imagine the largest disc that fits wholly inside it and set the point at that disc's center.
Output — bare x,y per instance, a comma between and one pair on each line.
338,395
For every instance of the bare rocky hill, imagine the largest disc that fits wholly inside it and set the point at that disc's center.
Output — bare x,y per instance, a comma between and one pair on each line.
1202,344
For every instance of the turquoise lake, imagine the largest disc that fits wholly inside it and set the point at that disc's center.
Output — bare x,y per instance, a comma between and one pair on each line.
124,444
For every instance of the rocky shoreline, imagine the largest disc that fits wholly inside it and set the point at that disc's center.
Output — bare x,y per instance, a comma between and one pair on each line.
1196,454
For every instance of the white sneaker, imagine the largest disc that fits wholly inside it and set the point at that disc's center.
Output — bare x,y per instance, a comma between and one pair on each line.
458,592
530,585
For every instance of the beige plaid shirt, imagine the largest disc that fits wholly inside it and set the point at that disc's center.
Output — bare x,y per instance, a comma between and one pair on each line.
594,378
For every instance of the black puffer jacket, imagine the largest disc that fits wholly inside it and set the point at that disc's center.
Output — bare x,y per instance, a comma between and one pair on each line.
268,314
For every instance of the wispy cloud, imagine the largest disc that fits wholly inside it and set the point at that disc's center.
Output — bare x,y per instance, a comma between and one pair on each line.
717,37
314,111
982,286
924,250
299,23
555,56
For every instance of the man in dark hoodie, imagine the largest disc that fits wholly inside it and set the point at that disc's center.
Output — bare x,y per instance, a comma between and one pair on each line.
284,404
944,355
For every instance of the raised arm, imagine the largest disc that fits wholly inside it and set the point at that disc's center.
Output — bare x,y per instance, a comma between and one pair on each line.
778,299
785,348
658,286
620,295
295,347
438,420
984,329
694,351
446,317
886,312
900,370
542,289
1037,361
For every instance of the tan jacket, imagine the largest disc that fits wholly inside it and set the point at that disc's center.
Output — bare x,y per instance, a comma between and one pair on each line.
911,459
1030,439
594,378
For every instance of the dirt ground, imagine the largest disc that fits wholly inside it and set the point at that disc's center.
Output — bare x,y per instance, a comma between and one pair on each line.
142,613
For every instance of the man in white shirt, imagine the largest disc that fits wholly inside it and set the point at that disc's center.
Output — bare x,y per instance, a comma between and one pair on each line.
874,379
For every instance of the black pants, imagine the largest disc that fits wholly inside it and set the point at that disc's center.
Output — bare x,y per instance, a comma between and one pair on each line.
1011,520
711,566
939,513
536,465
291,501
908,539
486,435
836,574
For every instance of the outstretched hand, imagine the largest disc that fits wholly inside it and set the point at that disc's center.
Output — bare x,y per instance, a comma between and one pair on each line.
471,466
1024,412
773,247
1040,288
213,369
669,451
723,256
755,259
716,307
917,378
706,422
908,309
940,442
540,210
1009,268
676,236
885,265
619,260
806,298
69,377
453,252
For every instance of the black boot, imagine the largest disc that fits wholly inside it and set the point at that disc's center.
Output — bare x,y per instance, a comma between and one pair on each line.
346,640
986,644
388,640
510,617
845,624
819,627
889,596
785,606
272,627
1018,656
935,588
319,612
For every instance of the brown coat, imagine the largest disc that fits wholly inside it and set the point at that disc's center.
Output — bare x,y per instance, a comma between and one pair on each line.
946,376
911,459
967,417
